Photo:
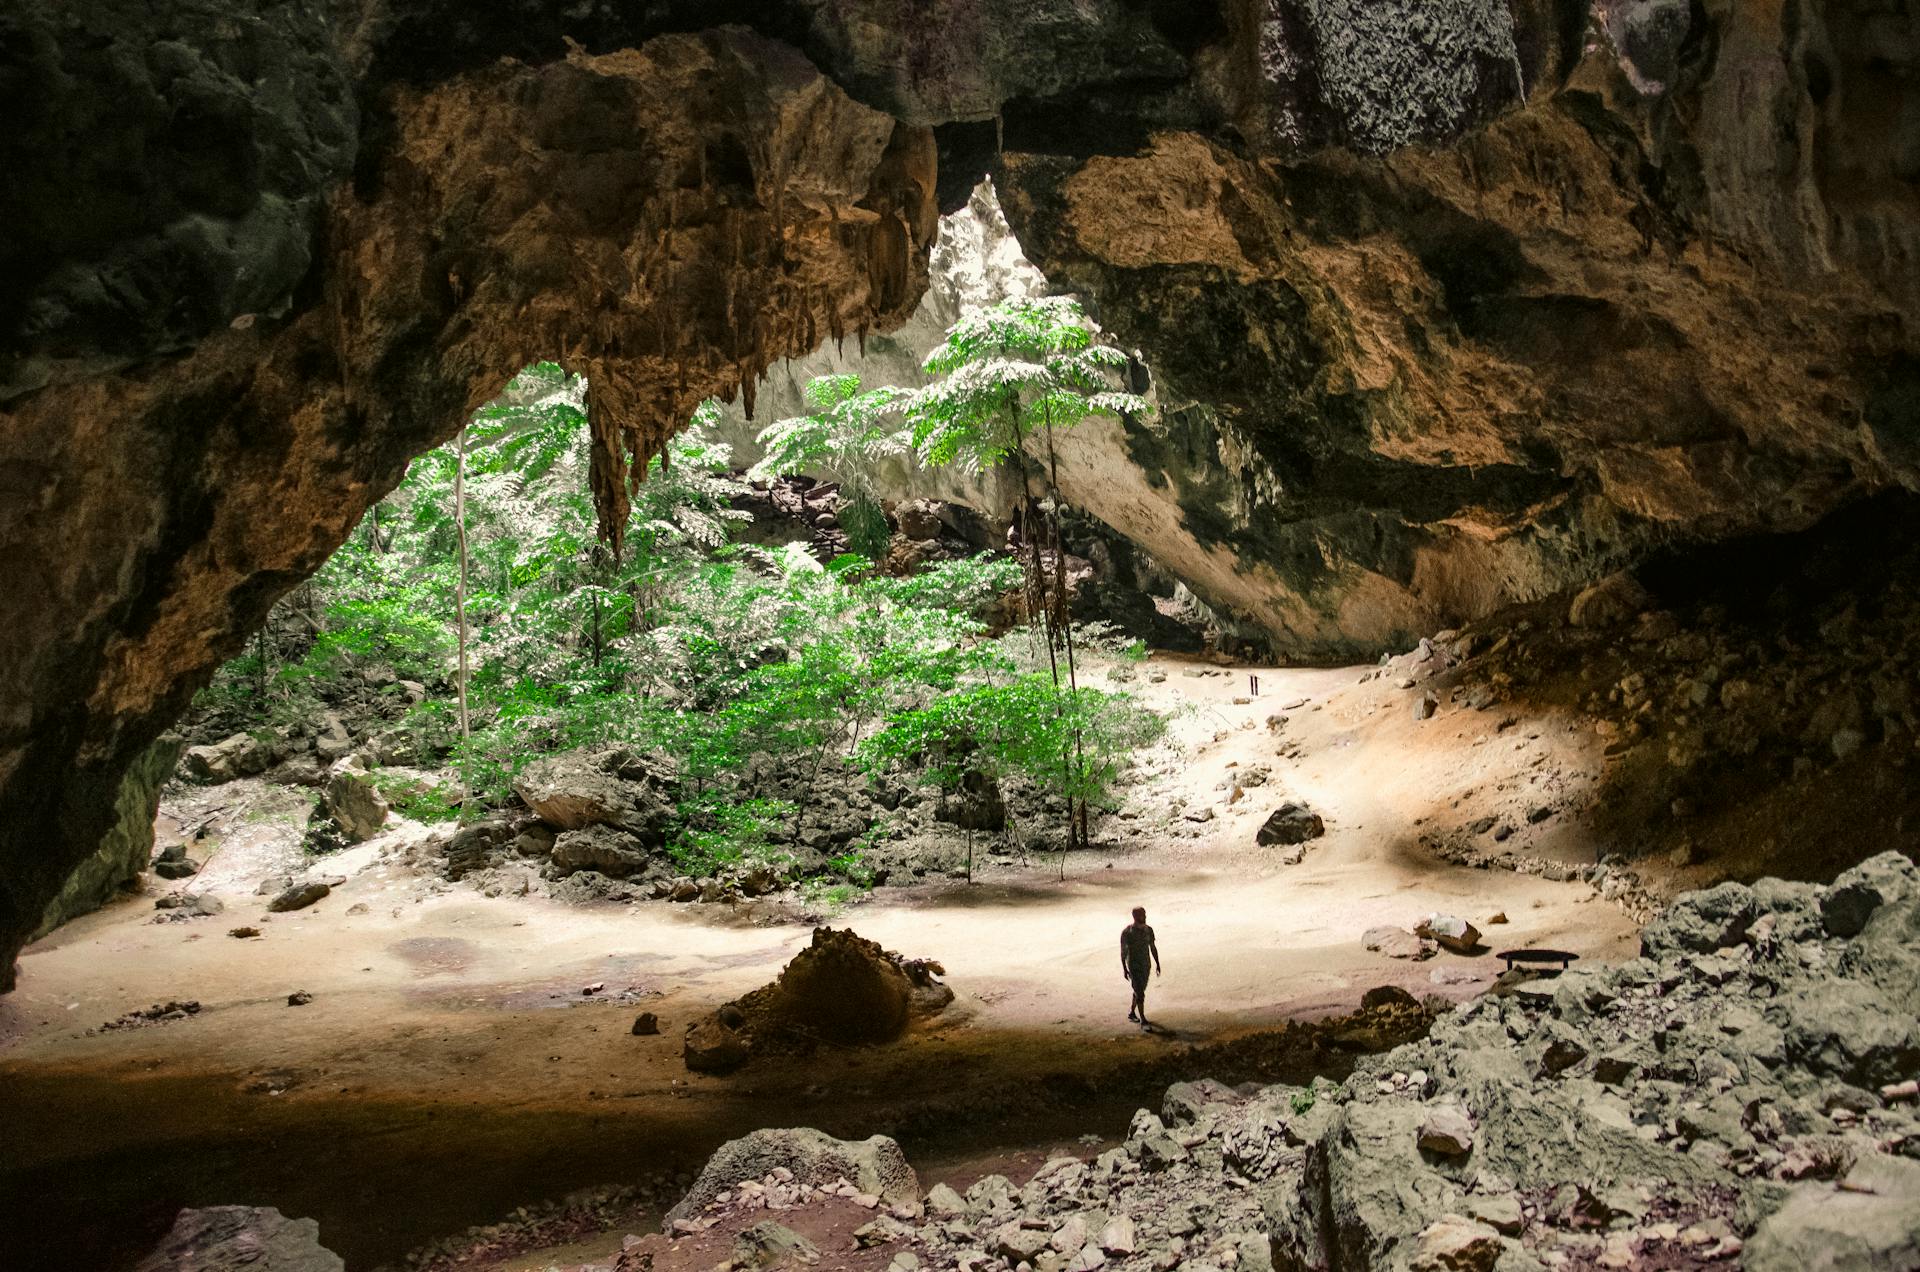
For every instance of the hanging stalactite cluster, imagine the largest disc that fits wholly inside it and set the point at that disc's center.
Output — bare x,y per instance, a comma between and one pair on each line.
668,220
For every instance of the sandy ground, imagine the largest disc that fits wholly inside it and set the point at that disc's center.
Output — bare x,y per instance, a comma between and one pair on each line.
449,1067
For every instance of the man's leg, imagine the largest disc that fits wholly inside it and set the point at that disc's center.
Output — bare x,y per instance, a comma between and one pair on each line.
1140,998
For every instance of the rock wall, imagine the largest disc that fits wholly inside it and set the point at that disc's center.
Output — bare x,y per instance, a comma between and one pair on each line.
1672,298
123,852
667,218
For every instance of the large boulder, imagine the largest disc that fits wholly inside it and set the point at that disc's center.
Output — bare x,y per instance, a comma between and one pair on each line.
1291,824
241,755
1873,1222
607,849
354,802
241,1239
1887,953
873,1165
1701,922
601,787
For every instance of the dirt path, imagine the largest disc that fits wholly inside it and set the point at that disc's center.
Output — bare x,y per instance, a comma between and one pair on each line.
449,1068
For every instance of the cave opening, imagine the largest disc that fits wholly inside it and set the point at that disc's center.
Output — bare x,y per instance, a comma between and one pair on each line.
579,590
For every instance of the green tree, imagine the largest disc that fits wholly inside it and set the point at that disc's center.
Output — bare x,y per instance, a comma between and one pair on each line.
1006,374
850,433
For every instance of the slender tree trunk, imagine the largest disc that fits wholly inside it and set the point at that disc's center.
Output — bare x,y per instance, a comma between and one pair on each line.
260,651
460,603
596,627
1065,619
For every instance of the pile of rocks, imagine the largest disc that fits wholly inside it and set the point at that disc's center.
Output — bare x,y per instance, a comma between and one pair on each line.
158,1014
1741,1095
841,990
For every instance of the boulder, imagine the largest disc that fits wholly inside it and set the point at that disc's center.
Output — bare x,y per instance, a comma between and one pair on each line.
241,755
716,1044
645,1025
601,787
534,841
1447,1131
1701,922
917,519
1398,943
476,847
1872,1222
607,849
301,770
353,801
768,1245
331,740
1608,603
1451,931
1453,1243
1886,953
874,1165
298,897
240,1239
1291,824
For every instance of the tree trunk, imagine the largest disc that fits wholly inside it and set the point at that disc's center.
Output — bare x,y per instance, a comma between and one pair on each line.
1065,619
460,603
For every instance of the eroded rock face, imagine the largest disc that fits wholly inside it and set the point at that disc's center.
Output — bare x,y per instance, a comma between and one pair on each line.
1674,296
667,219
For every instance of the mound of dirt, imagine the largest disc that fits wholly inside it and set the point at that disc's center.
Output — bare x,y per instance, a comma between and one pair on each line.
842,990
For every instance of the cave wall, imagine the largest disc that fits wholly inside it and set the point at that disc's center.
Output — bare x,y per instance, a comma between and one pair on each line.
1672,297
667,219
1450,301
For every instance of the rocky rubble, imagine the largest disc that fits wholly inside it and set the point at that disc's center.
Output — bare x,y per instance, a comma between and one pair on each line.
1743,1094
241,1239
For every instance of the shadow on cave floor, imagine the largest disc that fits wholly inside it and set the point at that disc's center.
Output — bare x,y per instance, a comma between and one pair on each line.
1755,712
384,1176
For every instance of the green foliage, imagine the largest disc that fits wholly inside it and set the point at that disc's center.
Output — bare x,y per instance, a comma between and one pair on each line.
1006,370
422,801
717,831
766,674
1301,1101
849,435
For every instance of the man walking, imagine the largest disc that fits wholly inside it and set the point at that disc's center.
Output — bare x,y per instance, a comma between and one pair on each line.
1139,958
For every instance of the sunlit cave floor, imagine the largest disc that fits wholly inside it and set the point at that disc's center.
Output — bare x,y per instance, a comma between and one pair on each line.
448,1068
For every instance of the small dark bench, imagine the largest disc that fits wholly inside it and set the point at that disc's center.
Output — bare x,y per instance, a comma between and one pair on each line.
1537,960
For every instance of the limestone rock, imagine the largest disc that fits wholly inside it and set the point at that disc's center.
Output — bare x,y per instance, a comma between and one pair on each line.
241,755
770,1245
607,849
298,896
1291,824
354,802
608,787
1452,1243
241,1239
874,1165
1398,943
1446,1131
1874,1222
